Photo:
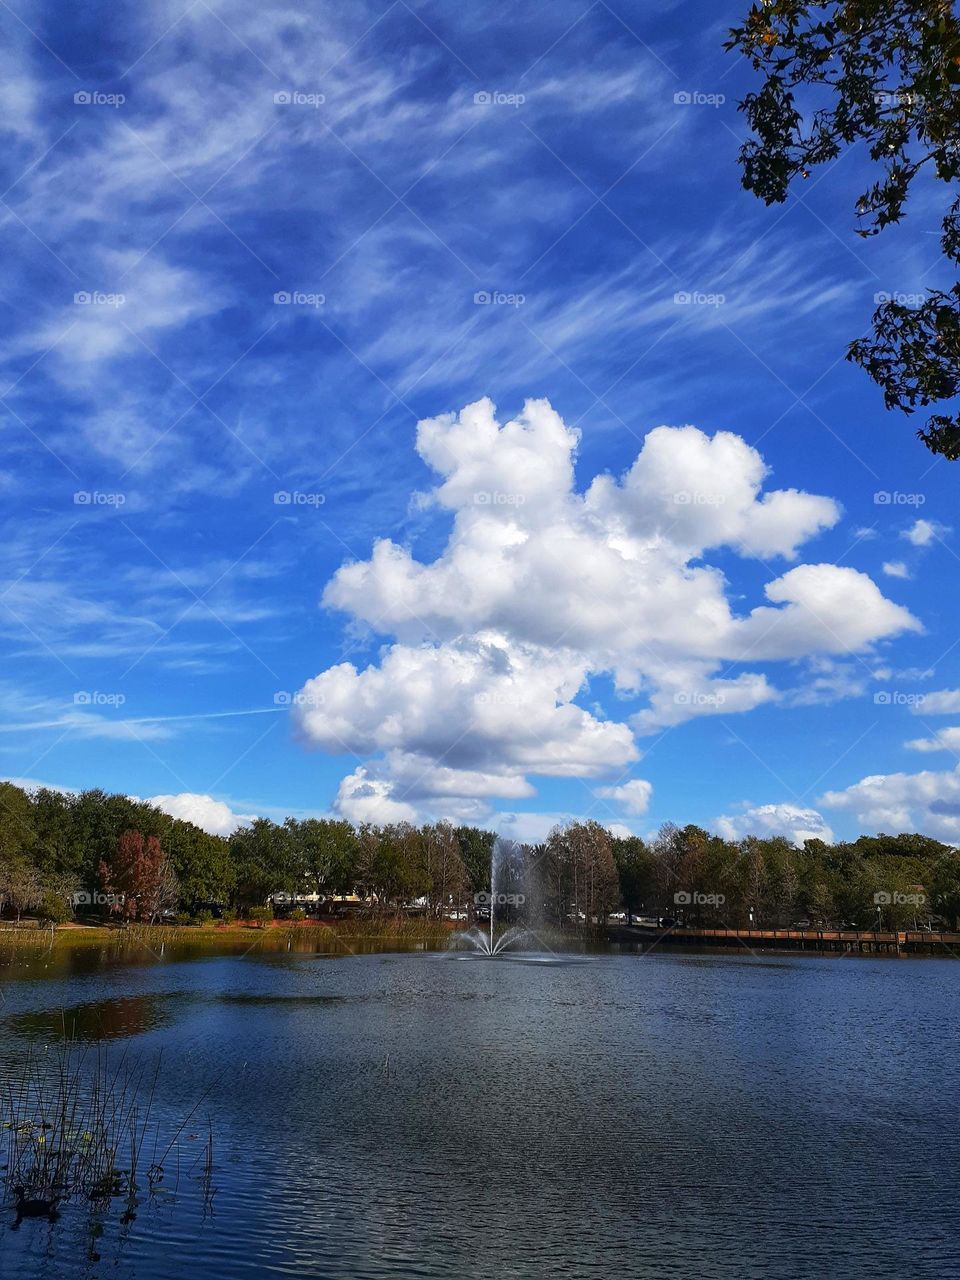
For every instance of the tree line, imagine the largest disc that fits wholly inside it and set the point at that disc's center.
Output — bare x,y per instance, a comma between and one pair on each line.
62,852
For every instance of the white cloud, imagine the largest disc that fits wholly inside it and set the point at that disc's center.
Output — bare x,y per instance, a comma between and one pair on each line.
541,587
363,798
633,796
154,296
793,821
942,702
895,569
922,532
893,802
535,827
35,784
203,811
469,716
943,740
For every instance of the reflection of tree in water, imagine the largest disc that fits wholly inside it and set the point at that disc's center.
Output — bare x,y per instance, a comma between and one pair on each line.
96,1020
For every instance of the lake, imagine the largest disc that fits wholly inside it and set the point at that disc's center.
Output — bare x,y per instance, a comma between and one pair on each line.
420,1115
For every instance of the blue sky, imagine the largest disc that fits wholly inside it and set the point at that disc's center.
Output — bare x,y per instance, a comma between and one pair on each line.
249,247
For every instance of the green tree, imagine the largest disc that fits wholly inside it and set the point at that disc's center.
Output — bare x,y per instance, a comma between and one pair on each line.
944,888
884,73
262,862
324,852
635,872
53,909
201,861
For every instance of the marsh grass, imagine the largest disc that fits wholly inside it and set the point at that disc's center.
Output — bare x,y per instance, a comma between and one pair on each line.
79,1125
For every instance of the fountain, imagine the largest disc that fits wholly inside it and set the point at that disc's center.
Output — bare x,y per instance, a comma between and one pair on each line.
484,943
479,944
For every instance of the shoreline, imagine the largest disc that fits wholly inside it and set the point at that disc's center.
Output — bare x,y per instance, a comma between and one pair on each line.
417,934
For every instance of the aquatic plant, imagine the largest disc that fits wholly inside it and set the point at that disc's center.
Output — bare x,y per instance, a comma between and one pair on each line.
77,1125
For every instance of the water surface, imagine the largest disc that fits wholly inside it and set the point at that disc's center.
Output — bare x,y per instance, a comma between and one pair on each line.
395,1115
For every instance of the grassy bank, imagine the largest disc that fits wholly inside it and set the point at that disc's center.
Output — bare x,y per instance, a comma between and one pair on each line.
307,933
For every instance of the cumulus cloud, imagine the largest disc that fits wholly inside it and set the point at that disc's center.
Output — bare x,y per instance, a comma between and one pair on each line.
943,740
633,796
922,532
792,821
364,798
203,811
941,702
895,569
542,586
894,802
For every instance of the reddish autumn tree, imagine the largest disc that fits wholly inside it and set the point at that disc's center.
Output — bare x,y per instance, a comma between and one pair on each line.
139,877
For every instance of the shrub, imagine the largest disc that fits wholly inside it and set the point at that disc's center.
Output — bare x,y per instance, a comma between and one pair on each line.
52,909
298,913
261,915
204,917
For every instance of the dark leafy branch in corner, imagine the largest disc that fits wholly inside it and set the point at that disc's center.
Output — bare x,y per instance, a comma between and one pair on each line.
891,69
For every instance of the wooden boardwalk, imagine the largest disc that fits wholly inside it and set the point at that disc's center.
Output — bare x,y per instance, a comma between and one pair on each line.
862,941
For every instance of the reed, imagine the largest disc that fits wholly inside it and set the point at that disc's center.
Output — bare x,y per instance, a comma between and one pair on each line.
75,1126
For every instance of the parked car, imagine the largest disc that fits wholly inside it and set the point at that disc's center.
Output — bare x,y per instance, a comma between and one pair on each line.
667,922
646,922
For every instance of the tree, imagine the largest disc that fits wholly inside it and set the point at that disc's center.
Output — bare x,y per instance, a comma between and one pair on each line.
139,877
945,888
324,852
17,828
52,909
20,885
584,870
890,73
262,862
201,862
635,872
446,873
